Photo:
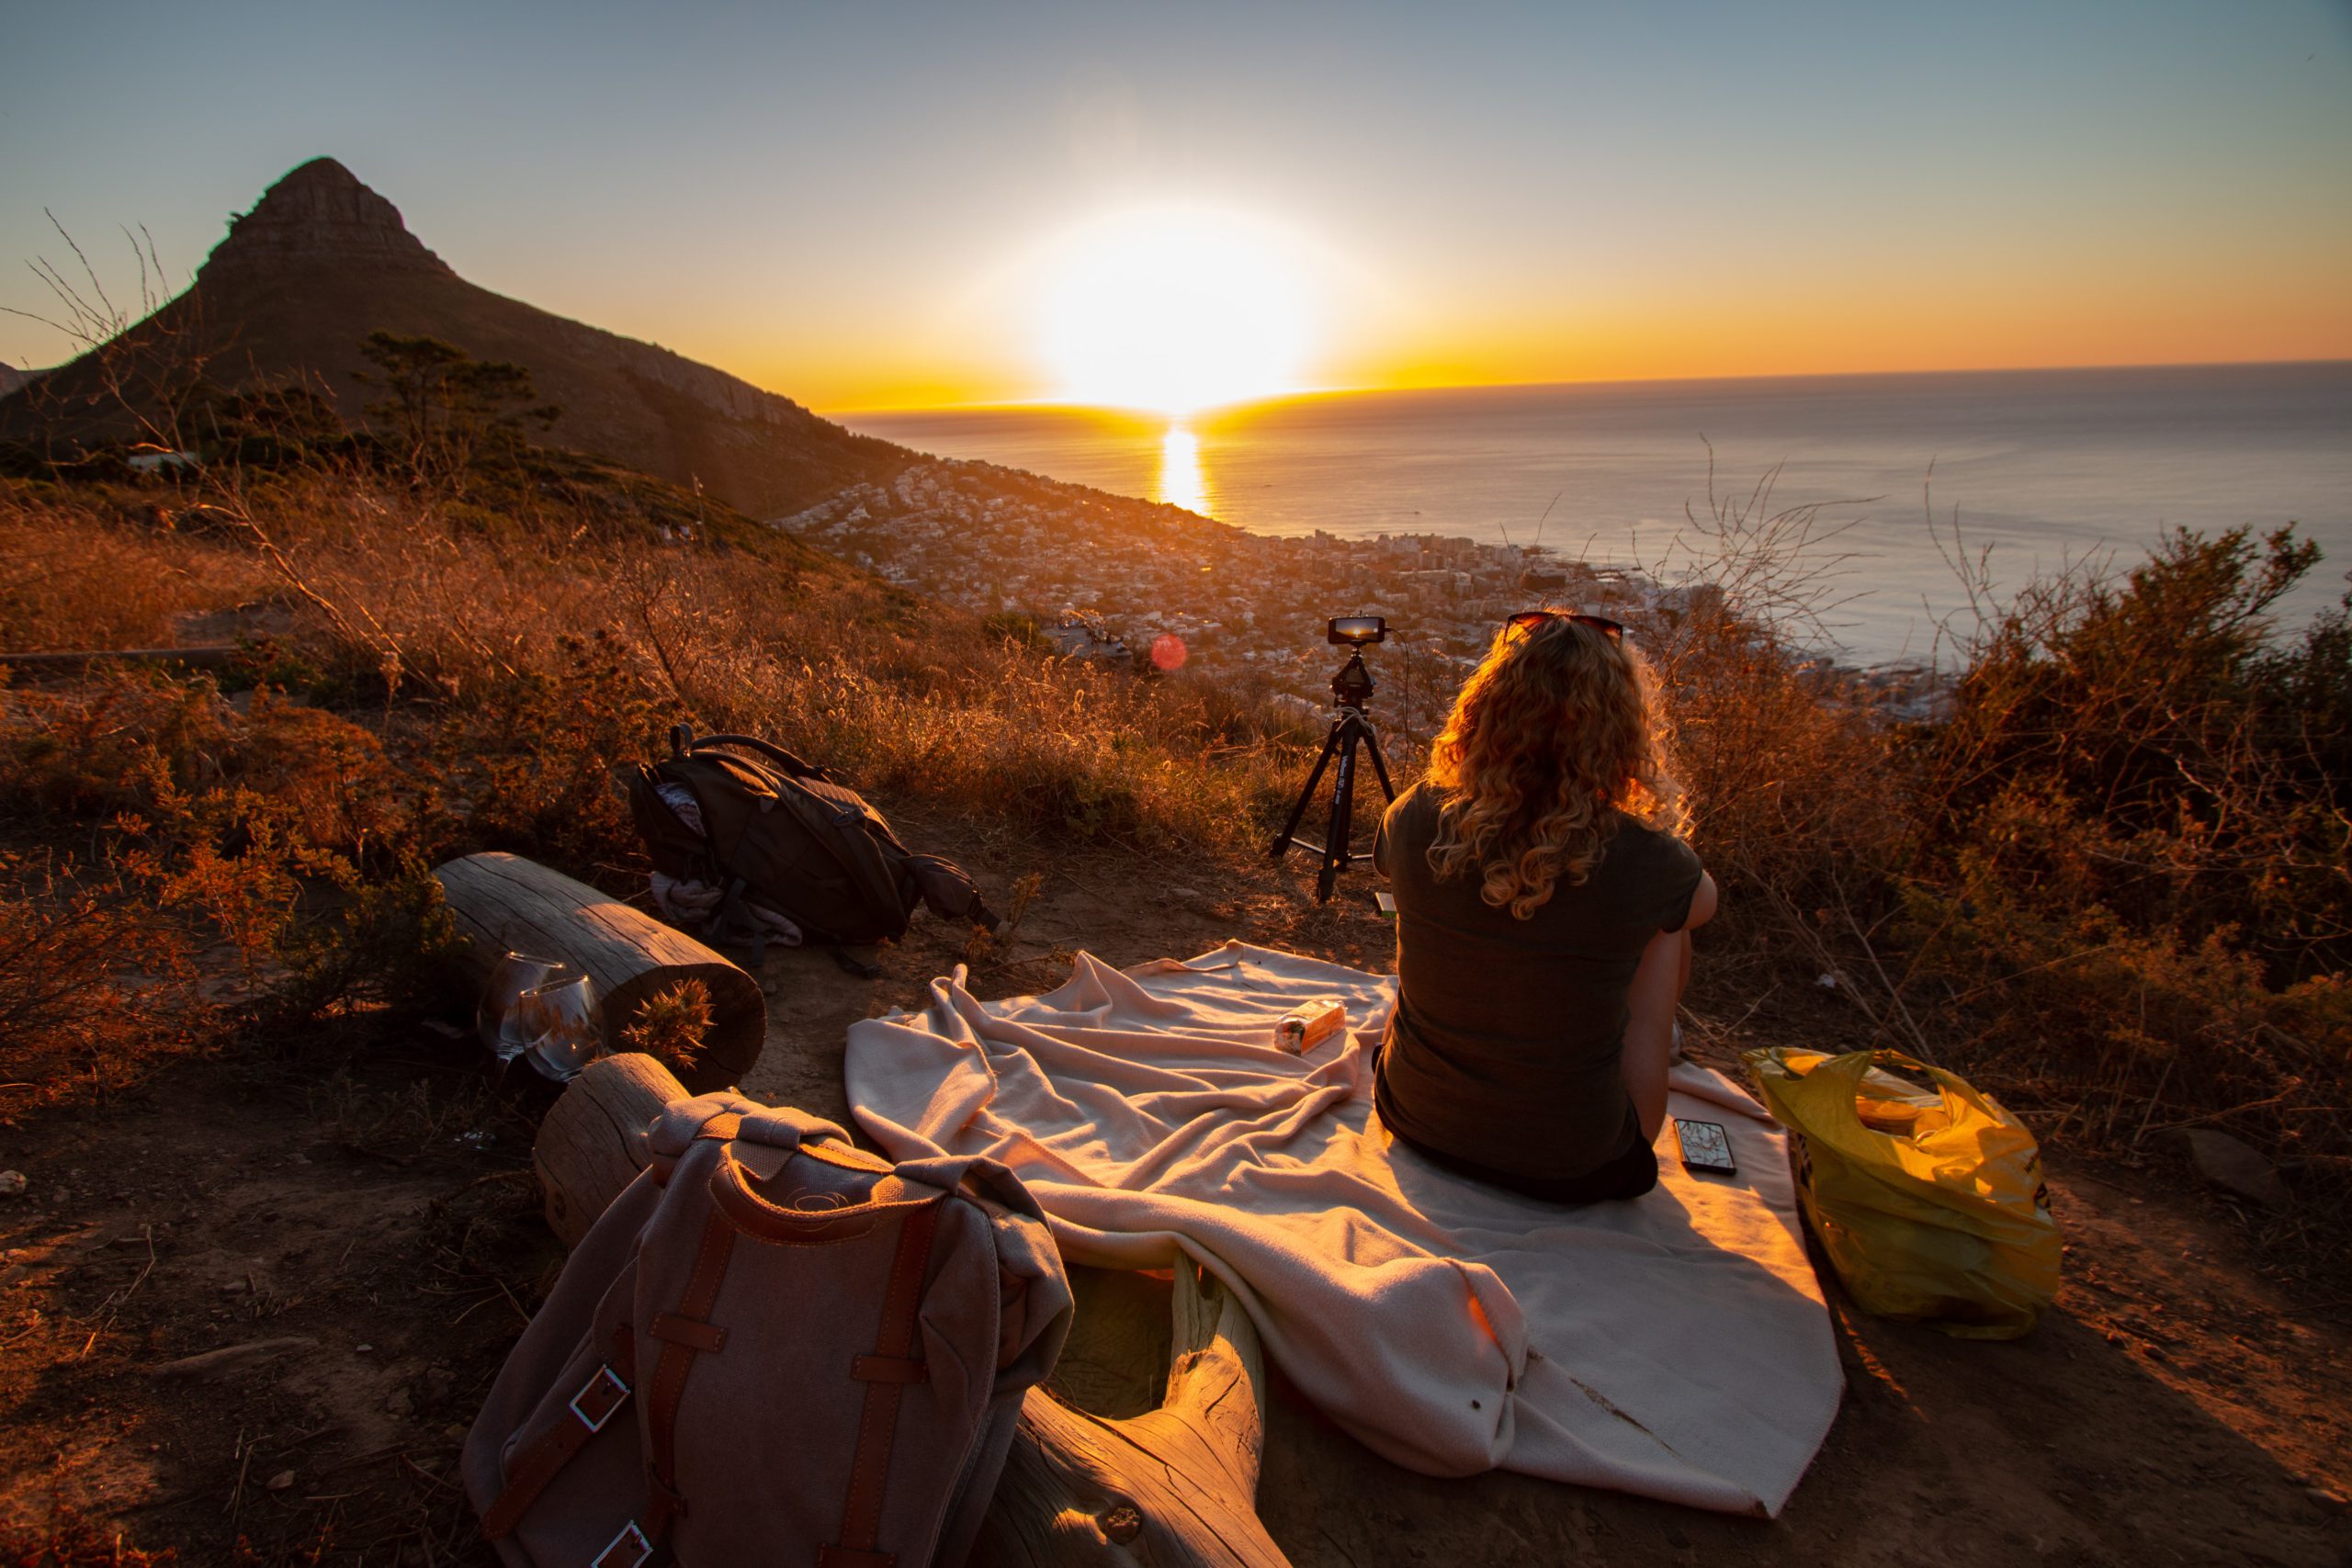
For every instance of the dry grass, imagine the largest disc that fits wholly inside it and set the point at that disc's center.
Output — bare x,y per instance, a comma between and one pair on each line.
436,679
124,575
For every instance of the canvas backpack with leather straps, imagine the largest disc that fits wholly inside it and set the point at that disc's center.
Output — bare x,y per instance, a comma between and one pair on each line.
773,1347
780,832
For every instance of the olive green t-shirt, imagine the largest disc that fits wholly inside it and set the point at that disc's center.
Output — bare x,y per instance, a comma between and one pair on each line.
1504,1047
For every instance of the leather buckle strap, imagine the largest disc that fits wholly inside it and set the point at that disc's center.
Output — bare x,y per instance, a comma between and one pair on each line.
884,1373
606,1391
631,1539
599,1398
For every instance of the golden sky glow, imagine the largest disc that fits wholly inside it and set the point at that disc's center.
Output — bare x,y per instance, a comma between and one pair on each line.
934,204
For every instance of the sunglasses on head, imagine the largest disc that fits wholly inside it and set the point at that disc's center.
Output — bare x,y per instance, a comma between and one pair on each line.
1531,621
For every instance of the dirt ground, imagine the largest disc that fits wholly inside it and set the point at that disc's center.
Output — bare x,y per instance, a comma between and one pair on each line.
247,1311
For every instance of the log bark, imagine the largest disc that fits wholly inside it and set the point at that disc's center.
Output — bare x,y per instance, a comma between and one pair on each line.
506,903
1174,1487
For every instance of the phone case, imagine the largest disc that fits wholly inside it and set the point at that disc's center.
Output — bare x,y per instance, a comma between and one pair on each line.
1705,1146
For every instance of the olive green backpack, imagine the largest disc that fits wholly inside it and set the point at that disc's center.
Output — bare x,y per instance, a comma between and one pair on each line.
778,833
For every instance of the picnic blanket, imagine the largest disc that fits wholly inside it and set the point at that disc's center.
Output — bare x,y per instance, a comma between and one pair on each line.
1676,1346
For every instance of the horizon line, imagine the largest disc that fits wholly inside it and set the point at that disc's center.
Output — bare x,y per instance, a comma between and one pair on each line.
1310,394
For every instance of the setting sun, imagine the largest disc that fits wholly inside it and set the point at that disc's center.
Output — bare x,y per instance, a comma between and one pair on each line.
1173,310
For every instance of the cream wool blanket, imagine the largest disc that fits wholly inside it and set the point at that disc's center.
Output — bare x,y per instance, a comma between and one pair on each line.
1676,1346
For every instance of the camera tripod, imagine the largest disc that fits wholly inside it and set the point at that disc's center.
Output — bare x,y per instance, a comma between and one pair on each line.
1351,688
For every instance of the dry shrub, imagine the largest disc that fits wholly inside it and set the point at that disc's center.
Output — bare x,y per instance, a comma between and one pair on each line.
204,823
2136,826
1785,757
2146,744
98,982
531,767
387,941
2107,876
174,752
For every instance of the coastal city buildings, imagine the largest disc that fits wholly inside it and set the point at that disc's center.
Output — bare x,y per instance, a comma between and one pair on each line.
1109,577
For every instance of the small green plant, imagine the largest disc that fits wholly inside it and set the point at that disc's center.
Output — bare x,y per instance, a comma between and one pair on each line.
389,941
672,1026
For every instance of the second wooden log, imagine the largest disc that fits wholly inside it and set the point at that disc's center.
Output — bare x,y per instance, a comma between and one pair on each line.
593,1140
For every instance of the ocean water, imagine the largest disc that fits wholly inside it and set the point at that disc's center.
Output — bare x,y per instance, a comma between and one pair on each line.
2045,468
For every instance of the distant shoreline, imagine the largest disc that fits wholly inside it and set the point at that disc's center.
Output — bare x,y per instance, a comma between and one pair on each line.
1064,406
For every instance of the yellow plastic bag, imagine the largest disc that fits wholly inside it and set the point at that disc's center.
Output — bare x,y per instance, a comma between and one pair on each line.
1929,1201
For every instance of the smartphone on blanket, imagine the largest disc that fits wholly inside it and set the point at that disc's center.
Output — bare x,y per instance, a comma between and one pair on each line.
1705,1146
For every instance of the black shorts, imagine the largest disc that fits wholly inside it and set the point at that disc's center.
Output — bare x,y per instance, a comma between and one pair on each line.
1629,1174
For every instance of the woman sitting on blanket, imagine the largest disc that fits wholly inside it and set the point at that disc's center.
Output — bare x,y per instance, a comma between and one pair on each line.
1543,910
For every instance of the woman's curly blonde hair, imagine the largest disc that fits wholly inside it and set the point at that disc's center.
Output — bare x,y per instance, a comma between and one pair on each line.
1557,728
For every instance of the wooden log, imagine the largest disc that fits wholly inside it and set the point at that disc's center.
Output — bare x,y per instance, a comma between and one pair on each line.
593,1141
506,903
1174,1487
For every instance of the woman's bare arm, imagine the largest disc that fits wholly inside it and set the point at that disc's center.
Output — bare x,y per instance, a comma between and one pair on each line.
1656,991
1703,903
1649,1031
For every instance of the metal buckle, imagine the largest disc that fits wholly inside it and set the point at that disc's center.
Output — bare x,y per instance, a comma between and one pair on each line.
604,1375
630,1535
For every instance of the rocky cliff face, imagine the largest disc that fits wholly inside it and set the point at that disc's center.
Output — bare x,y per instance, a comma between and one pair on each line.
321,261
320,215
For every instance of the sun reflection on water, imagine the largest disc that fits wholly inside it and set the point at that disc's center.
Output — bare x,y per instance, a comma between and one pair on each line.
1181,482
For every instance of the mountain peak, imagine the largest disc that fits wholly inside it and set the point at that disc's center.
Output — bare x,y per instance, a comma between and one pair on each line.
321,212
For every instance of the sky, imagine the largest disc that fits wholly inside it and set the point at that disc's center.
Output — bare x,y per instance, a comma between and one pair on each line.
879,205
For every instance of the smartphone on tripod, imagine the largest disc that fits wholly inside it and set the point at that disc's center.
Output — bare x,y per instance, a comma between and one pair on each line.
1351,688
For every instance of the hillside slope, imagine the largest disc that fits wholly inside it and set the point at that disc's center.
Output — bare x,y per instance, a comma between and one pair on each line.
321,261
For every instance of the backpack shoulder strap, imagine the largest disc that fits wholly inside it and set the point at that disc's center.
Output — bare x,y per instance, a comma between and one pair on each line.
684,1334
885,1373
791,765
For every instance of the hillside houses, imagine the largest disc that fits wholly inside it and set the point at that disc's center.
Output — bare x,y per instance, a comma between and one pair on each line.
1103,570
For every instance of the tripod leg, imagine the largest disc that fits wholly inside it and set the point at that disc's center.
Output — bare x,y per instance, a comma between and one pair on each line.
1289,835
1343,817
1379,762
